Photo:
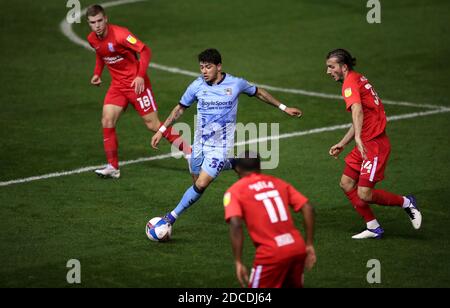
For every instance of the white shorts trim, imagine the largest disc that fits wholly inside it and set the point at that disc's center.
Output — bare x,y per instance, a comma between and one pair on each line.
255,282
374,168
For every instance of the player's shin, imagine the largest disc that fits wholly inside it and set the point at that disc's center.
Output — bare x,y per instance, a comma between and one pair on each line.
111,145
360,206
191,196
386,198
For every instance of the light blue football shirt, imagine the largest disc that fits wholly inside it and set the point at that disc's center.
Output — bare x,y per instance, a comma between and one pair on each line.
216,110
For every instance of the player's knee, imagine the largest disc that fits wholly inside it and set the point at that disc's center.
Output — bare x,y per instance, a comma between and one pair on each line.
347,185
201,185
365,194
199,188
108,122
152,126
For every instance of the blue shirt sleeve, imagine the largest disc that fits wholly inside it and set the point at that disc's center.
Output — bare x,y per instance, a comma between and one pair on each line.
247,88
190,96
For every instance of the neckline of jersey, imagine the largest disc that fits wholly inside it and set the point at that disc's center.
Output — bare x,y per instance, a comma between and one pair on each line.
224,75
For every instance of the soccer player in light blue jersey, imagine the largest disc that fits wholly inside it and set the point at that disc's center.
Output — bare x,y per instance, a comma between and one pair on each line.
216,94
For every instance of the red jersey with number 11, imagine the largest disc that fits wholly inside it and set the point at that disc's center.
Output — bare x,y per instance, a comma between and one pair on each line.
357,90
263,202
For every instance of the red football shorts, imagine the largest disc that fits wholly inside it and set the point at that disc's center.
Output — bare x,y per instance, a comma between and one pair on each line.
285,274
370,171
121,96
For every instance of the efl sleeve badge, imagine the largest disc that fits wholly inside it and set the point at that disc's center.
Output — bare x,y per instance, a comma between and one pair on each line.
348,92
131,39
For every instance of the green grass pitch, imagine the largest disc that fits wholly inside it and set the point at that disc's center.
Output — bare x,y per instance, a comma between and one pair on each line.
50,122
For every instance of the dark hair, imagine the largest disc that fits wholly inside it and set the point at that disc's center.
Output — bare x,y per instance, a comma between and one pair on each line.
210,55
94,10
343,57
248,161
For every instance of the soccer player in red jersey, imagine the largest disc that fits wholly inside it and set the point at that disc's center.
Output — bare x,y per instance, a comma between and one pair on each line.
262,202
118,48
366,163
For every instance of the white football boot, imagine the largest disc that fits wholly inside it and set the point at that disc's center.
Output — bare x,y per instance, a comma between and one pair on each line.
413,212
108,172
369,233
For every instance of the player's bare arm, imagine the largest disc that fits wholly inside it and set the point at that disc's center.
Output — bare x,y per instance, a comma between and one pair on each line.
237,243
308,214
358,118
336,149
176,113
266,97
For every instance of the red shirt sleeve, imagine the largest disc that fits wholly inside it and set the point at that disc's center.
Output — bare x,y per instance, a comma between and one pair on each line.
350,92
144,61
128,40
296,199
232,205
99,65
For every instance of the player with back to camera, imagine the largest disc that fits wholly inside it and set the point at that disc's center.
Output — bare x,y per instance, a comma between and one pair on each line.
262,202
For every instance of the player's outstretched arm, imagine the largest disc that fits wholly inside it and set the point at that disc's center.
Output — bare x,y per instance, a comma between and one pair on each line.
336,149
237,243
266,97
308,214
176,113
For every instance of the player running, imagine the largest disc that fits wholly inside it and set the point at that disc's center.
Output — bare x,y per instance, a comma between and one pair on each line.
118,48
217,96
262,202
366,163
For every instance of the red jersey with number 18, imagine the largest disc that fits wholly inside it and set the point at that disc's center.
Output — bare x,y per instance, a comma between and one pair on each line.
356,89
263,202
118,50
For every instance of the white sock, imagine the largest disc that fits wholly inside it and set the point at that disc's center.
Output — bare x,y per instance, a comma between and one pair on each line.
373,224
406,203
174,214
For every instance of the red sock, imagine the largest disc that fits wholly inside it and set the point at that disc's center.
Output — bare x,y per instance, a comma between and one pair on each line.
360,206
110,145
382,197
174,138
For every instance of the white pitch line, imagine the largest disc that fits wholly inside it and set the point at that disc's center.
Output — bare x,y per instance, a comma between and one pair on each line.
258,140
66,28
81,170
341,126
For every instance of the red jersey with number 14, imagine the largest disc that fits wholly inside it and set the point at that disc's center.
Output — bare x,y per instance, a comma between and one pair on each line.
263,202
118,50
357,90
